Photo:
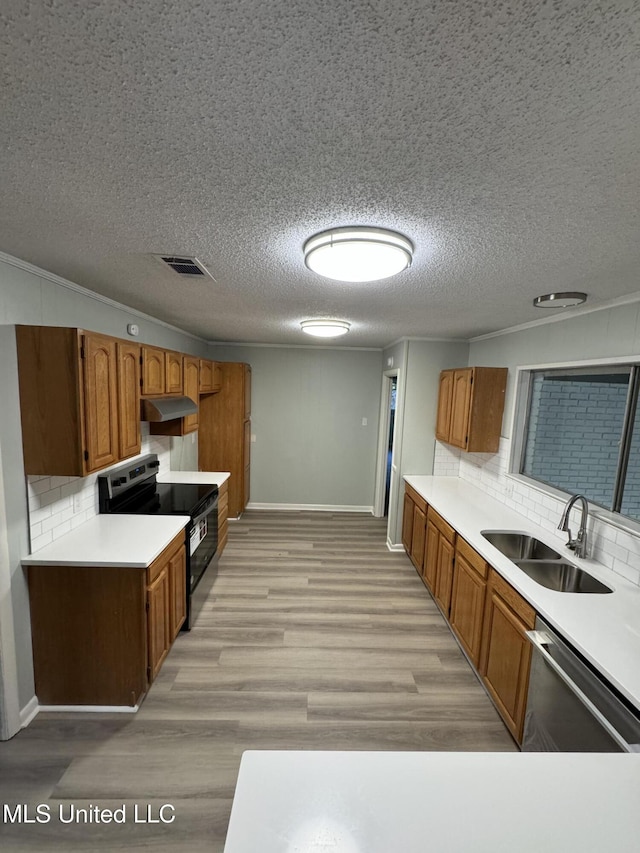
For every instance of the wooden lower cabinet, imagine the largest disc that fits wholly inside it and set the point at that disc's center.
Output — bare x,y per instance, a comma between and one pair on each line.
468,598
99,633
506,652
488,617
414,526
223,516
438,573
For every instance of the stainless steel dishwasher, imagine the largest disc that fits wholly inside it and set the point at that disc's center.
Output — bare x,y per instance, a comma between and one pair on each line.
570,707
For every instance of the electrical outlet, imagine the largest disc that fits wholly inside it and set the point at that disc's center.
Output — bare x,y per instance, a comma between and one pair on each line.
77,502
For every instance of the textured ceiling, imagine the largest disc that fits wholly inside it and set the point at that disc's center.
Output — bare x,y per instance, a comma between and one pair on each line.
501,137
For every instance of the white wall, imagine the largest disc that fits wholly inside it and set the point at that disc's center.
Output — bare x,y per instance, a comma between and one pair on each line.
32,296
307,408
609,333
421,361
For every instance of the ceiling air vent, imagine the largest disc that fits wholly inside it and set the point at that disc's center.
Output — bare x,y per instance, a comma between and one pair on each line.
190,267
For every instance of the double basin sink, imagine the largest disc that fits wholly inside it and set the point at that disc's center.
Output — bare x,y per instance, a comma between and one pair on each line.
541,563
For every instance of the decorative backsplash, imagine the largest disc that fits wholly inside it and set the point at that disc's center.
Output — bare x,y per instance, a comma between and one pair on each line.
612,546
59,504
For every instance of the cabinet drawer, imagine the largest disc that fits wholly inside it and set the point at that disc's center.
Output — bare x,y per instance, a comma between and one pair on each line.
162,559
445,529
515,601
472,557
415,497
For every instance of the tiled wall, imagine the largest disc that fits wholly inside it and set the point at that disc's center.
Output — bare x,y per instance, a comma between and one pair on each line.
610,545
58,504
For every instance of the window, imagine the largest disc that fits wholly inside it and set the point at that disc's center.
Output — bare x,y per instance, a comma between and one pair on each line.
582,434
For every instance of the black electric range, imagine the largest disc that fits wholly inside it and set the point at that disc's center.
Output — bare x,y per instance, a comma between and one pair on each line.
132,489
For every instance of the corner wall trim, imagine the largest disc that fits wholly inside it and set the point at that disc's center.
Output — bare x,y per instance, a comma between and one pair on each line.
393,547
310,507
29,712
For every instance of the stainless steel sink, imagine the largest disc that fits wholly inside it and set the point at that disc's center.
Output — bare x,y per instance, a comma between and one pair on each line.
519,546
560,576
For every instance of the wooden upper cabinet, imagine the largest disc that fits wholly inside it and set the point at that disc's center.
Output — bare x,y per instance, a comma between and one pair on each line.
173,373
460,404
161,372
443,418
68,400
128,356
210,376
191,381
100,400
470,407
153,371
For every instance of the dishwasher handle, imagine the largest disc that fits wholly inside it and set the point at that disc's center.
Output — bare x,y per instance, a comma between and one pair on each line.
539,640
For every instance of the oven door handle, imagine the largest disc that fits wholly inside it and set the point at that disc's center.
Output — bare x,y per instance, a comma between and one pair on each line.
539,640
205,512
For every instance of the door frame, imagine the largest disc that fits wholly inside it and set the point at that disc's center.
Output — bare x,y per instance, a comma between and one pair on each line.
395,511
383,441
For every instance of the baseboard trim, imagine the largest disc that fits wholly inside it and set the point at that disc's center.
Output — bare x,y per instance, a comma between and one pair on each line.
311,507
29,712
89,709
393,547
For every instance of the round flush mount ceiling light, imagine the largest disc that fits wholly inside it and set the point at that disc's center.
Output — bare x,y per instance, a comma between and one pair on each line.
358,253
569,299
325,328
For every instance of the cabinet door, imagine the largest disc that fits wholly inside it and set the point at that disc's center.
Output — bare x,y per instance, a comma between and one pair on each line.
210,376
444,575
158,621
153,371
418,538
178,590
506,656
431,557
247,391
467,607
460,403
407,522
173,372
443,418
191,368
128,398
100,401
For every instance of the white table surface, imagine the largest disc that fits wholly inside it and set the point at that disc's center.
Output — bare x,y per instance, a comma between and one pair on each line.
215,478
130,541
418,802
604,628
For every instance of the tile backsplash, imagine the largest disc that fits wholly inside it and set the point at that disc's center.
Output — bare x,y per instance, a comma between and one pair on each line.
59,504
614,547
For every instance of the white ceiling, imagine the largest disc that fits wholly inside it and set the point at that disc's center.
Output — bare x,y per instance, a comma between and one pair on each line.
503,138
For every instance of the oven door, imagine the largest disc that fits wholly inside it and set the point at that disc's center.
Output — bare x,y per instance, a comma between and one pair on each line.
203,543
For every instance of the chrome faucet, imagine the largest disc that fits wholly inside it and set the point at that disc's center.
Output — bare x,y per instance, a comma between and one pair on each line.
579,544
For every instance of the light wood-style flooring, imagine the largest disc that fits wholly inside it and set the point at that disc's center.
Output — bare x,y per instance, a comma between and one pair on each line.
310,635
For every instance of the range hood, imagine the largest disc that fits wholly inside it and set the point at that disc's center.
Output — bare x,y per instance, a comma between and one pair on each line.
159,409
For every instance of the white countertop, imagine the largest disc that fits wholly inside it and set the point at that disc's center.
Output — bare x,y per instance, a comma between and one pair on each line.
215,478
130,541
604,628
412,802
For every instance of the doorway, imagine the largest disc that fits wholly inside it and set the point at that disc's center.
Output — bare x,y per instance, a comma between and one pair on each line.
392,419
387,464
